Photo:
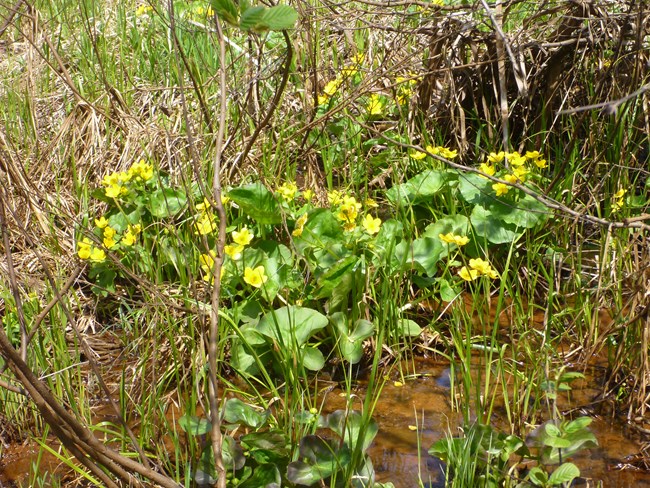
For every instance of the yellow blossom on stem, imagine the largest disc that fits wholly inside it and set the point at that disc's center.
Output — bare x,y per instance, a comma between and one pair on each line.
332,87
371,224
532,155
308,195
500,188
234,251
101,222
97,255
242,237
516,160
288,191
520,173
83,248
511,178
375,105
483,267
448,153
452,238
488,169
468,274
370,203
255,277
619,200
334,197
540,163
300,224
417,155
496,157
205,224
207,265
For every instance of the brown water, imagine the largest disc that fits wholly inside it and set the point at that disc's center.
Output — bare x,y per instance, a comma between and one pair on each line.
411,418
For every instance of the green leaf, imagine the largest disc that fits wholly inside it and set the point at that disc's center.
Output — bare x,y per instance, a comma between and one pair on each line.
334,276
350,426
565,473
280,17
408,328
166,202
552,430
256,201
577,424
351,343
227,10
538,476
265,475
236,412
320,230
291,326
424,253
420,188
312,358
493,228
252,19
324,458
476,190
524,213
456,224
194,425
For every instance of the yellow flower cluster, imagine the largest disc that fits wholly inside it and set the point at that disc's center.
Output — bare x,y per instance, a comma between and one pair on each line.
452,238
86,251
200,11
207,265
441,151
287,191
116,184
143,9
241,239
518,170
477,267
375,105
256,277
332,87
300,225
111,237
405,86
619,200
205,222
348,212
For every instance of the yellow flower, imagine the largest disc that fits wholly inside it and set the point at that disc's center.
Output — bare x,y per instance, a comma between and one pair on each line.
532,155
323,100
520,172
243,237
482,267
375,106
234,251
511,178
417,155
349,226
452,238
101,222
109,242
83,248
140,171
432,150
517,160
97,255
513,154
540,163
488,169
300,225
468,274
501,188
332,87
203,206
205,224
129,238
349,71
255,277
496,157
143,9
448,153
349,210
308,195
207,264
619,200
288,191
109,232
371,224
225,199
114,191
334,197
370,203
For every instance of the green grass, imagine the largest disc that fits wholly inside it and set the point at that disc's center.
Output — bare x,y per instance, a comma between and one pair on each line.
142,92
